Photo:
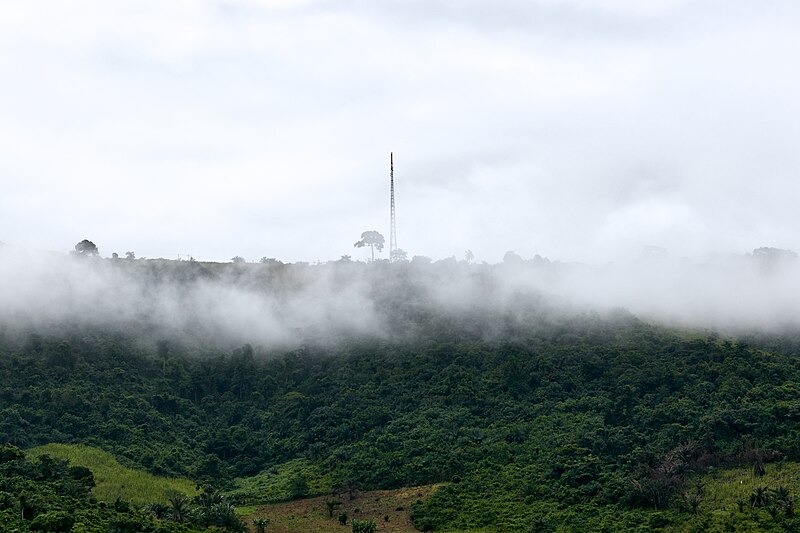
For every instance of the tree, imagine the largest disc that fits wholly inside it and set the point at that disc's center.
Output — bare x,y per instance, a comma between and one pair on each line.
349,485
469,256
373,239
53,521
163,354
399,255
331,505
760,497
299,487
237,259
179,505
770,259
758,464
86,247
261,524
774,254
130,255
9,452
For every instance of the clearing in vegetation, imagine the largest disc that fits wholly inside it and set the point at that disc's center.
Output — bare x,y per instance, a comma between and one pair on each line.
312,515
113,480
738,499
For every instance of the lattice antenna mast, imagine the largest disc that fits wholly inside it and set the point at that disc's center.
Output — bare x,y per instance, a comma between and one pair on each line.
393,226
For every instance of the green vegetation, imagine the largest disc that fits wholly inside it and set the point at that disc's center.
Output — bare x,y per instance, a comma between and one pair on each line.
363,526
736,499
47,494
114,481
289,481
532,419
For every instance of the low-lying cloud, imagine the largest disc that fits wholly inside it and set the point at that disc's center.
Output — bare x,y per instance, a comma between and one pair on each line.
285,305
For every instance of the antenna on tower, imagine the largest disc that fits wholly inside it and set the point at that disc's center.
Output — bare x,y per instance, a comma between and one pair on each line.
393,226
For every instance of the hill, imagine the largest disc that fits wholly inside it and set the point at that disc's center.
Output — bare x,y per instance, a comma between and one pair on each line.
530,415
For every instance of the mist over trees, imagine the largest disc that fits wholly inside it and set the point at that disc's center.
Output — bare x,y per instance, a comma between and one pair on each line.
282,304
535,389
591,421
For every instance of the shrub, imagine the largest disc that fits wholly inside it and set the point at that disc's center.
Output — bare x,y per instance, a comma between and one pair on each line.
364,526
55,521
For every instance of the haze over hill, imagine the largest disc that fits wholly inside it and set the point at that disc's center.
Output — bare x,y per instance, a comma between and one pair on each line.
276,304
645,150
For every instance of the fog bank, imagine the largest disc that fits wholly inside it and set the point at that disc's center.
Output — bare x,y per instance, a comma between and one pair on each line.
285,305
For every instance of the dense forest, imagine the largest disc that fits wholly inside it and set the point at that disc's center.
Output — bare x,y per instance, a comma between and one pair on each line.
533,414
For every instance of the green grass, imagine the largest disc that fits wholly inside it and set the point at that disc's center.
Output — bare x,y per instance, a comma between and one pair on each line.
275,484
721,489
114,480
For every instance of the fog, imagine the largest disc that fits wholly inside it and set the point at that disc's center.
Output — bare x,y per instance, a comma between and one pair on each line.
278,305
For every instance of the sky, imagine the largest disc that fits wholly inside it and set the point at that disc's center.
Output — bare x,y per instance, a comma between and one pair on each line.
580,130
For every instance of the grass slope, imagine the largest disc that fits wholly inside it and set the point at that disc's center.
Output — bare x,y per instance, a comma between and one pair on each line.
310,515
726,505
279,483
114,480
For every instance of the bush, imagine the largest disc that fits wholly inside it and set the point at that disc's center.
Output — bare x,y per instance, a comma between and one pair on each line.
299,487
364,526
55,521
9,452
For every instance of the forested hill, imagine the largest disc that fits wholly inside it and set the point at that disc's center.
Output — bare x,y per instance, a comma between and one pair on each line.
521,428
283,306
534,416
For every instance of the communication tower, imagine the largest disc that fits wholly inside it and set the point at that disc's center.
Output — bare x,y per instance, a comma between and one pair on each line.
393,224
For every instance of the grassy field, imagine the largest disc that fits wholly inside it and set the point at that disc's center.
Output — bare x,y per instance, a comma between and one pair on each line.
721,489
275,484
113,479
726,504
388,508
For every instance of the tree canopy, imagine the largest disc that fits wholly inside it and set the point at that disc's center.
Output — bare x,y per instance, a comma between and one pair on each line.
532,418
373,239
86,247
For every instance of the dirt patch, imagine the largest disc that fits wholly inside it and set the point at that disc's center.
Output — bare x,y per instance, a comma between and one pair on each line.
389,509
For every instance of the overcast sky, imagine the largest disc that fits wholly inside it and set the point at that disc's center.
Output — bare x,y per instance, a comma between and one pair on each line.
575,129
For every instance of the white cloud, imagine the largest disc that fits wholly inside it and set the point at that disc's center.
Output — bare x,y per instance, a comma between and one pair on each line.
263,127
